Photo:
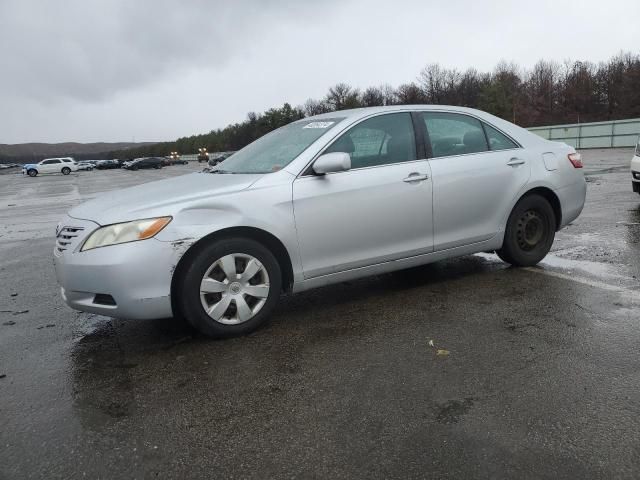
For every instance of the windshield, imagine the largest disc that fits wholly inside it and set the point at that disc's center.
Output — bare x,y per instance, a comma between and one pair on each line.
278,148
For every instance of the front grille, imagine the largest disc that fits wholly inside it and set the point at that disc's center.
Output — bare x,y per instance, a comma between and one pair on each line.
67,237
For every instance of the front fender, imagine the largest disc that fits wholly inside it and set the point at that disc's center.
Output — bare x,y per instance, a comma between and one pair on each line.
192,224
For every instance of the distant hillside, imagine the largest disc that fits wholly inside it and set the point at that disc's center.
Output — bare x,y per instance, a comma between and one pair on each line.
28,152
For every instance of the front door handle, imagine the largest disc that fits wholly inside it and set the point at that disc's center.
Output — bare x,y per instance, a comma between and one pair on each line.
416,177
514,162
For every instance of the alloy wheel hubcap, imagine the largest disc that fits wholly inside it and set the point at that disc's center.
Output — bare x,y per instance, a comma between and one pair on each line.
234,288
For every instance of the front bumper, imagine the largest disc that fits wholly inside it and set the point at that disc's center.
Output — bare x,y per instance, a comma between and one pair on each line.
137,276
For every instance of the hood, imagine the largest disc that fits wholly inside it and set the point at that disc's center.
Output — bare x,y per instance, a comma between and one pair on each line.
160,198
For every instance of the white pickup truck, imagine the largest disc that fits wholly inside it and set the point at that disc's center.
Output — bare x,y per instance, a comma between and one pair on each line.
64,165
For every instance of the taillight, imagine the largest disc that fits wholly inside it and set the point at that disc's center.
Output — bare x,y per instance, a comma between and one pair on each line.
576,160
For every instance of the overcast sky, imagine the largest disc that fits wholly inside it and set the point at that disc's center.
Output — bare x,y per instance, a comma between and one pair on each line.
118,70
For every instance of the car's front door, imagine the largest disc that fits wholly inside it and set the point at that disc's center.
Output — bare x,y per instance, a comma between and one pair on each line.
477,172
378,211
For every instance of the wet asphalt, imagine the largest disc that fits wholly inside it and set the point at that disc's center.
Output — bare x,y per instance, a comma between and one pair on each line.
462,369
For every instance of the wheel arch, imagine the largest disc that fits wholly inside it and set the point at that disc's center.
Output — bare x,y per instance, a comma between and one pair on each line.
261,236
551,197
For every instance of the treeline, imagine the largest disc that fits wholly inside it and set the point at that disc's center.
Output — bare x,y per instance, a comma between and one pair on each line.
549,93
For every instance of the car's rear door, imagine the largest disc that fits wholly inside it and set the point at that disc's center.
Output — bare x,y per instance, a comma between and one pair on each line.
477,171
378,211
50,166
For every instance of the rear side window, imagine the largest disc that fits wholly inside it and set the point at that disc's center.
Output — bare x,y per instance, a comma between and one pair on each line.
380,140
454,134
498,140
50,162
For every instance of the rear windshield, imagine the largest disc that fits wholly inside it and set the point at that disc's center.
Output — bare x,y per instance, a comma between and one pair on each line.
277,149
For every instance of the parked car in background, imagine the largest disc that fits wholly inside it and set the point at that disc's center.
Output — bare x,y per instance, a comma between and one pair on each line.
88,166
107,164
216,158
5,166
635,169
64,165
167,161
122,161
322,200
144,162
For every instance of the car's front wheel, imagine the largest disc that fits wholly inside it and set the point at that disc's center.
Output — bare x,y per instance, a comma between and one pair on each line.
230,287
32,172
530,232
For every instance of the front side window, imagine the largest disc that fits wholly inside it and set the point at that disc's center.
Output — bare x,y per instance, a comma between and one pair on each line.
380,140
498,140
50,162
454,134
277,149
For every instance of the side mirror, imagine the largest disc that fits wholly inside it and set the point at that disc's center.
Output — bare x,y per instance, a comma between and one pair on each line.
332,162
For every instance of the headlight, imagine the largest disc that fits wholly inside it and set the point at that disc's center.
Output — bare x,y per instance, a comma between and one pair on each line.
125,232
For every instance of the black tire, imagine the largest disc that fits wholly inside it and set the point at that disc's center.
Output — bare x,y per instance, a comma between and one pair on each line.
32,172
134,168
530,232
188,291
66,171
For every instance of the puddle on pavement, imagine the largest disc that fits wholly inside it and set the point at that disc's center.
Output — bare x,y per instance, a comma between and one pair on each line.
597,269
594,268
90,325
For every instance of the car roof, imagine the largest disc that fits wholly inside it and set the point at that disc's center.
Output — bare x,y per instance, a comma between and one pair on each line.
366,111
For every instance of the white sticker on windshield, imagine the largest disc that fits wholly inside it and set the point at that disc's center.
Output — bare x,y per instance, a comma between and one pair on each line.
318,124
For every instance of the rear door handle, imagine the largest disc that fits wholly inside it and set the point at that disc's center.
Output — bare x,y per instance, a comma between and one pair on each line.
514,162
416,177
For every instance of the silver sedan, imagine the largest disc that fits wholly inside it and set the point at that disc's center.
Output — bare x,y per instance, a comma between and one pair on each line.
322,200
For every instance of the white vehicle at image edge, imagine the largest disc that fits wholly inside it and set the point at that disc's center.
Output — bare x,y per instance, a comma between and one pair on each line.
64,165
635,169
322,200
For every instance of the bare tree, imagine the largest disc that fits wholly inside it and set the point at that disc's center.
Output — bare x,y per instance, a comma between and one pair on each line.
315,107
409,94
343,96
372,97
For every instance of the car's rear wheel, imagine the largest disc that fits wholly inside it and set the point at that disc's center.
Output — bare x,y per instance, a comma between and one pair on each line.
230,287
32,172
530,232
66,171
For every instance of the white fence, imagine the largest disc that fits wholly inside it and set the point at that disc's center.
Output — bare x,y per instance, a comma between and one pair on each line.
617,133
